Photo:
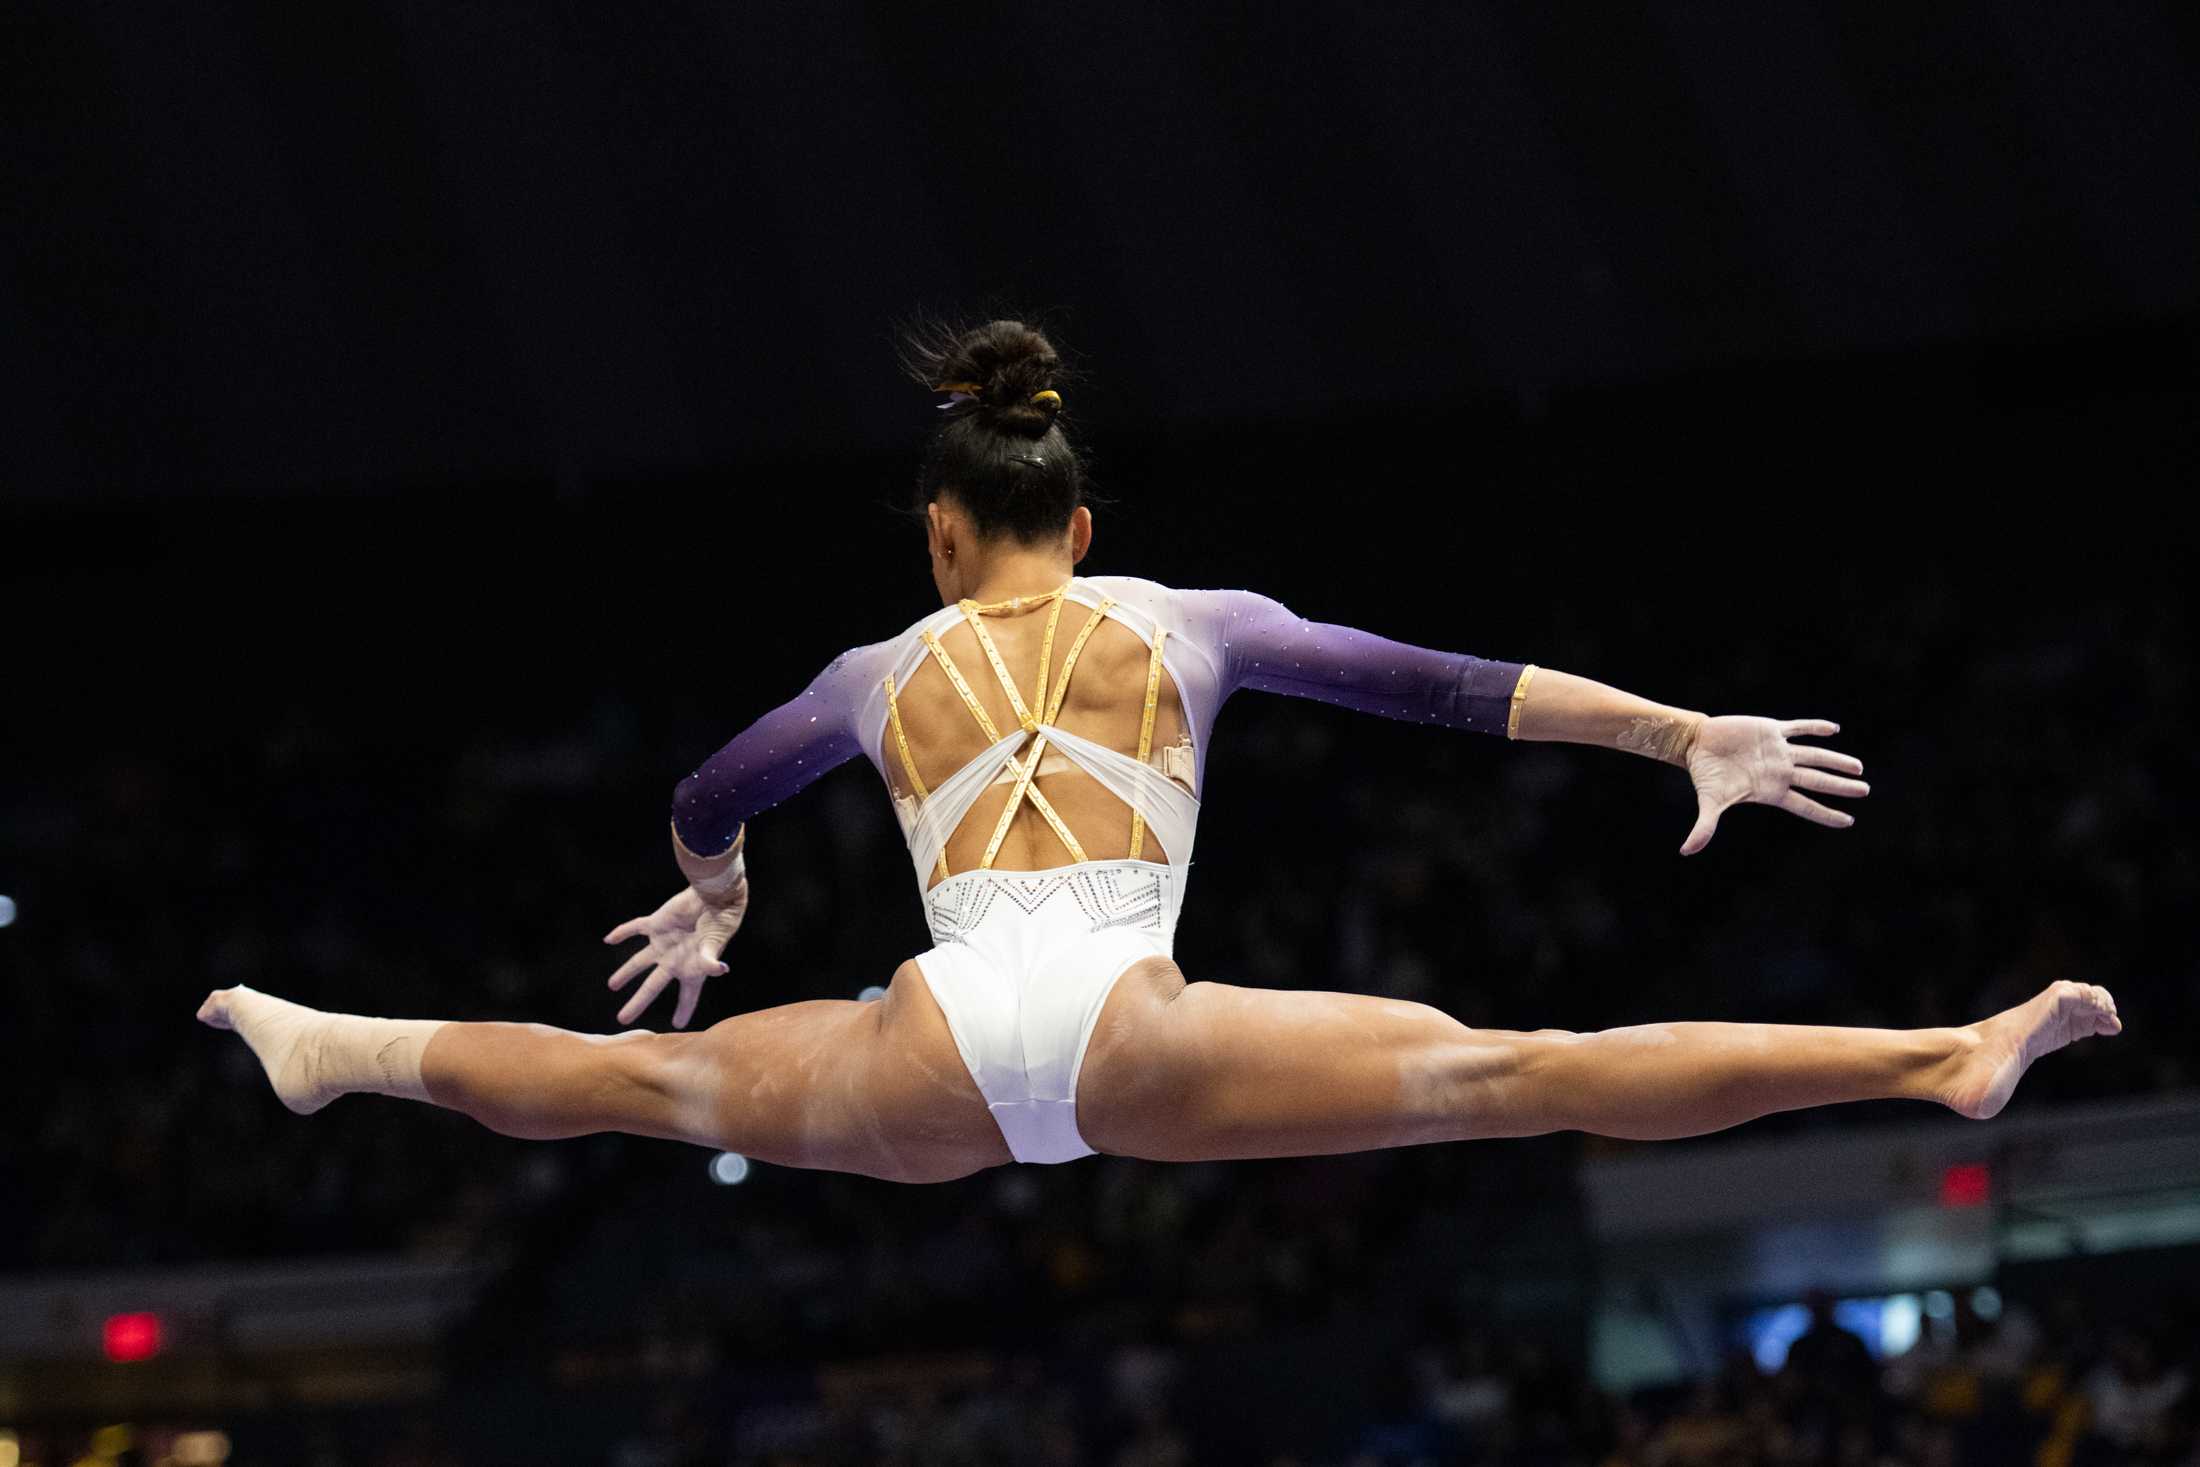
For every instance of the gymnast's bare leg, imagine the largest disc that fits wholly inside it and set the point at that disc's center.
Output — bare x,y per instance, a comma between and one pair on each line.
875,1088
1207,1071
1175,1072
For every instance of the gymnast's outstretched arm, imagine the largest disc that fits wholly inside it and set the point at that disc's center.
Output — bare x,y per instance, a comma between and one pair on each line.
772,759
1730,760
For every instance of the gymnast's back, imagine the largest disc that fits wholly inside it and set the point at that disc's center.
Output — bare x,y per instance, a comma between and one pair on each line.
1069,723
1079,668
1040,718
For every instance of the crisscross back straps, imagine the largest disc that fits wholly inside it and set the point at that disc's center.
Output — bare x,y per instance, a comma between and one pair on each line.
1084,635
1025,769
1046,660
1024,719
1016,766
962,686
1025,775
908,760
1039,802
1145,736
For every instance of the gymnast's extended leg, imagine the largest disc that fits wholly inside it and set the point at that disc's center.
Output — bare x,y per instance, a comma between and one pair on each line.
1207,1071
875,1088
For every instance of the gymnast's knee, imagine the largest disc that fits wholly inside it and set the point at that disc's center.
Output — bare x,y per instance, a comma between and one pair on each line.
663,1085
1484,1085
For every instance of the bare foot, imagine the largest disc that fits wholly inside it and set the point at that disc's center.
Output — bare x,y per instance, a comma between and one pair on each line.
1999,1050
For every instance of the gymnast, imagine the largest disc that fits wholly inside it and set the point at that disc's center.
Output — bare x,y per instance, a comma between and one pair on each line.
1043,737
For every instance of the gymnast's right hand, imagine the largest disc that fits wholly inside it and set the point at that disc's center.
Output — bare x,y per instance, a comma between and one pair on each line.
685,935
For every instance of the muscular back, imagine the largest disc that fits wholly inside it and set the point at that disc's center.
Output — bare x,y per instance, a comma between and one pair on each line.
1105,703
1214,642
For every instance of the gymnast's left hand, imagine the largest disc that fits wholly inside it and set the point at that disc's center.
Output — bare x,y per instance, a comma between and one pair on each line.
1736,760
685,935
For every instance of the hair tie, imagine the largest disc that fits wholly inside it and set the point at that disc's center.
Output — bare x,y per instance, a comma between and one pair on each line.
962,392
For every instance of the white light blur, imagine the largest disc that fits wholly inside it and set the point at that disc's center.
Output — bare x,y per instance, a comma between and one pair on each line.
1940,1304
1986,1302
729,1168
871,995
7,910
1900,1319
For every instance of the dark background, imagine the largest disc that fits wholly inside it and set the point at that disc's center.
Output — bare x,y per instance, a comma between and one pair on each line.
260,249
432,430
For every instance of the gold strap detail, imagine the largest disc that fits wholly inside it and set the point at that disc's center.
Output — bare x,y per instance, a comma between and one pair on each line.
1145,736
1017,603
908,761
1008,807
1046,654
1039,802
962,686
1025,772
901,742
1084,634
1024,719
1045,807
1520,694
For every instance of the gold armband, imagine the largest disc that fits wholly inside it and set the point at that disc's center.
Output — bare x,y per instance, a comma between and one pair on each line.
1520,694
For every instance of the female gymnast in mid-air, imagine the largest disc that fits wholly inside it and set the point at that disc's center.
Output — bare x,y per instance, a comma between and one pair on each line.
1044,737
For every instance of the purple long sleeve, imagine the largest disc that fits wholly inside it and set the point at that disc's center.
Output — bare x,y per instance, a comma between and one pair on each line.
1264,645
774,757
1228,640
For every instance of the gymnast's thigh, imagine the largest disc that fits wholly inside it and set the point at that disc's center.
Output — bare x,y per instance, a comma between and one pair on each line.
1182,1071
877,1088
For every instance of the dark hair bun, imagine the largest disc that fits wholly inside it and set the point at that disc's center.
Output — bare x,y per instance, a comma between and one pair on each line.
998,451
1012,364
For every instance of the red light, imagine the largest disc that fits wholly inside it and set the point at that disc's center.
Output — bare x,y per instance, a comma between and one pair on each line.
132,1336
1967,1184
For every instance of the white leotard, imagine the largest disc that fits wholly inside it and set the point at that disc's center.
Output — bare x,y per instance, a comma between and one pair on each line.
1023,961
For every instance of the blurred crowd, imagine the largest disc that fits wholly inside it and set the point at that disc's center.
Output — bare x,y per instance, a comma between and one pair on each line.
2051,1387
2056,1392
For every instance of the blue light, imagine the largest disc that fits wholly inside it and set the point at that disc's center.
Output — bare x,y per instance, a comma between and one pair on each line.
1887,1324
1770,1332
729,1168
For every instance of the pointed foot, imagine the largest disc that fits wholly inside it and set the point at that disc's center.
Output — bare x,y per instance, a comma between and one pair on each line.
1999,1050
